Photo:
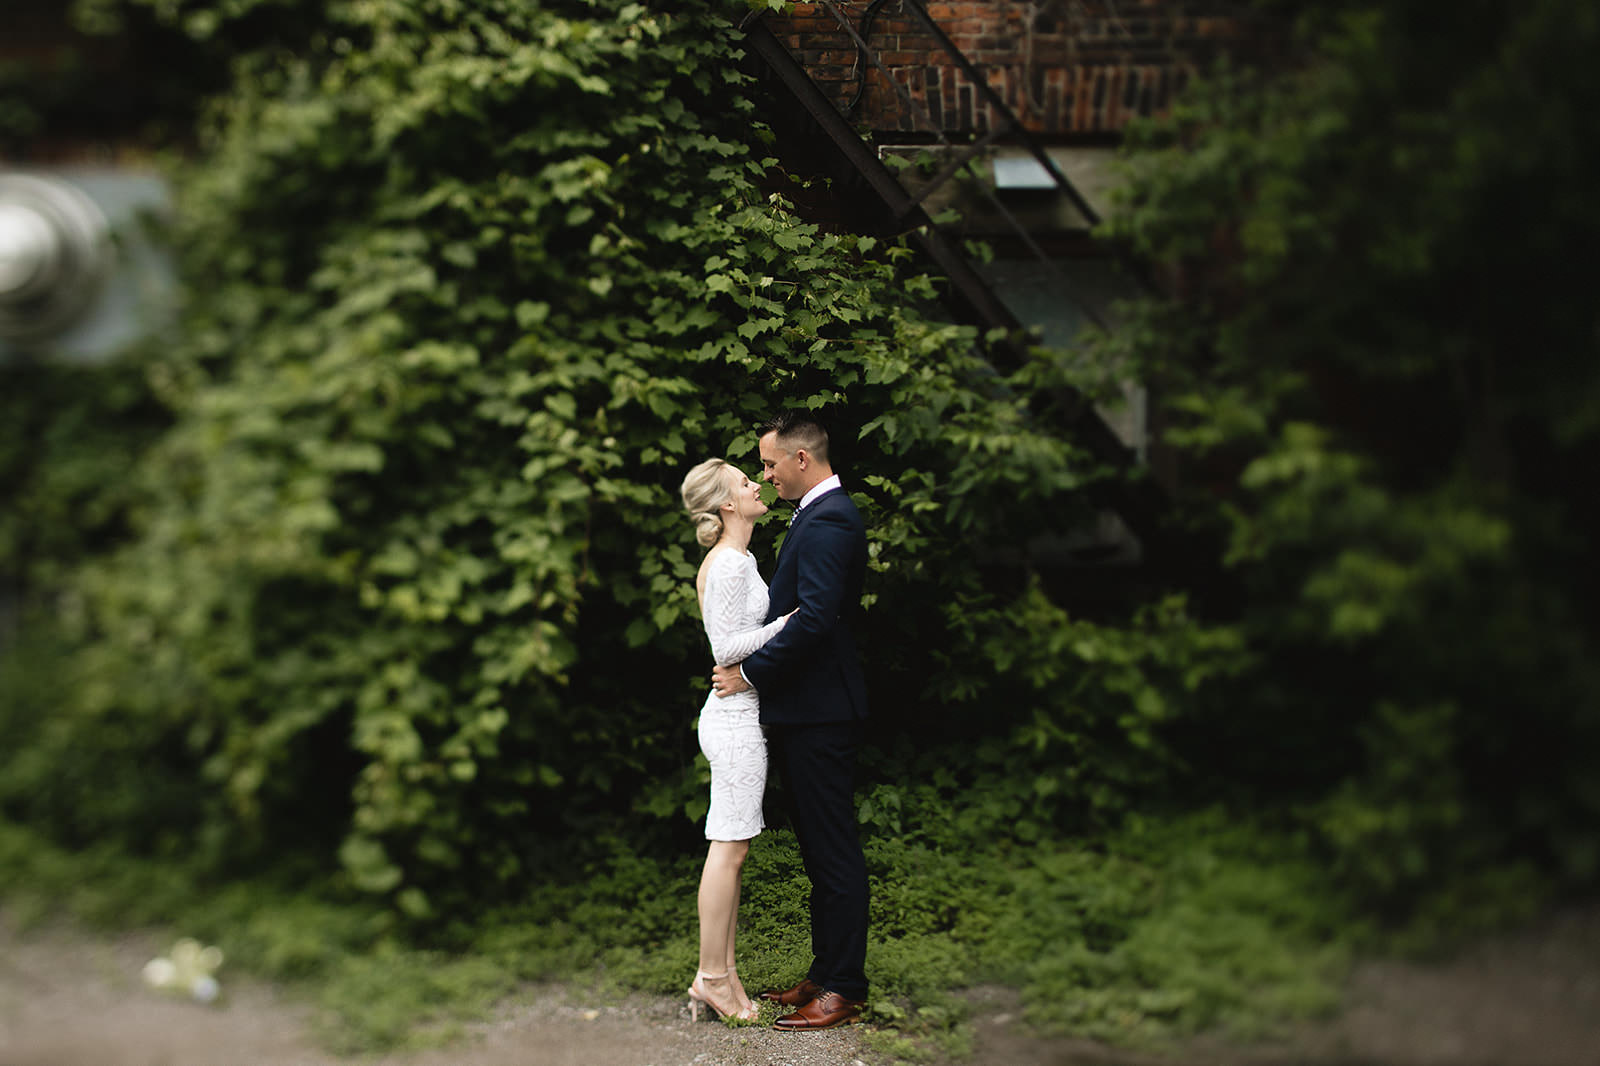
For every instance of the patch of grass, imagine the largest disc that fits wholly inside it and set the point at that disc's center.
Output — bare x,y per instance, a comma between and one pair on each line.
1164,929
396,997
1172,928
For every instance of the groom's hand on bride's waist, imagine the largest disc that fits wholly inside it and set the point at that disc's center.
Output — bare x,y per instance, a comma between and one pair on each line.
727,680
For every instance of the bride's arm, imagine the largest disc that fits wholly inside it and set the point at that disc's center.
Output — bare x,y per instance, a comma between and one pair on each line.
727,589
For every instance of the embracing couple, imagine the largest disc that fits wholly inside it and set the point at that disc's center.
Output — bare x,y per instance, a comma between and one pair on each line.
788,679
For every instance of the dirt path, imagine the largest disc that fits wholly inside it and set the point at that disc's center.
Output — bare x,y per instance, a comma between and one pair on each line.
70,999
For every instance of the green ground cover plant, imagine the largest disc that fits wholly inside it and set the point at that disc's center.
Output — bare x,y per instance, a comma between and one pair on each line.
1163,930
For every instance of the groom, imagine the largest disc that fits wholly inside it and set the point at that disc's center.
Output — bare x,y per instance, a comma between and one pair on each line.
813,700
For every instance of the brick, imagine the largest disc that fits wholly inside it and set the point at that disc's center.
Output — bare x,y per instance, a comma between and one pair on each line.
1085,66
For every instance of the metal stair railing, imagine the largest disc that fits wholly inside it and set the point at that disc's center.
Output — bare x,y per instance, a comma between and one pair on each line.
1009,125
1139,501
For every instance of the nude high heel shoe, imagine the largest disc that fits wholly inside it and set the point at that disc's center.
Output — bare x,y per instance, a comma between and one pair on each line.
698,996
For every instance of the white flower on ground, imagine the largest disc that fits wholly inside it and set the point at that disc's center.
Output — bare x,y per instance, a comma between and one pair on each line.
187,971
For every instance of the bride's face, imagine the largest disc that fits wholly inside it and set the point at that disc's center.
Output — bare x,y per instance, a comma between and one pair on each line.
747,497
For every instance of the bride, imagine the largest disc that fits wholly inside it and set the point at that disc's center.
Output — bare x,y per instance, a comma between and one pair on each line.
724,505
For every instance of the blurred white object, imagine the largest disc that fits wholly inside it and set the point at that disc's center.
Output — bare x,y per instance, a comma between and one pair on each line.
188,971
55,251
84,270
160,973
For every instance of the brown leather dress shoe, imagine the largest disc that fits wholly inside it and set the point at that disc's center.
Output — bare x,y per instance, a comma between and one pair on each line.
798,996
824,1012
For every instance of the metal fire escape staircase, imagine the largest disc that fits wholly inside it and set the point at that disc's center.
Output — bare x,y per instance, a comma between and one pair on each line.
1134,496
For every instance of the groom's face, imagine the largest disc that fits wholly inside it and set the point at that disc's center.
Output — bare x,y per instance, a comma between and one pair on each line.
785,471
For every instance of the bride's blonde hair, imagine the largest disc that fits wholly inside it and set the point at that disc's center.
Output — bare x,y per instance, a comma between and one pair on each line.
705,489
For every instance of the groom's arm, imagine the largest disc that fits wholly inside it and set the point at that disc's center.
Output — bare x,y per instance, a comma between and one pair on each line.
821,578
728,680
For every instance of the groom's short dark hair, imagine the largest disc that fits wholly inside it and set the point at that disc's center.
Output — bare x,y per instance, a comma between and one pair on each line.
797,430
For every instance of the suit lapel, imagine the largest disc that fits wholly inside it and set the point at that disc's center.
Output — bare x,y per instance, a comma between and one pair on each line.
788,534
799,519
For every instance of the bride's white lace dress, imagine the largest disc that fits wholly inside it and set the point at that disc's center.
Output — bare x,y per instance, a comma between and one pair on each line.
734,606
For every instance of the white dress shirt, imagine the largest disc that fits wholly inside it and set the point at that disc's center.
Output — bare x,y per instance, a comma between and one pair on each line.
830,482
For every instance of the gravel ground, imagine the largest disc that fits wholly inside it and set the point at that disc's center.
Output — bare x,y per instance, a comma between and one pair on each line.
72,999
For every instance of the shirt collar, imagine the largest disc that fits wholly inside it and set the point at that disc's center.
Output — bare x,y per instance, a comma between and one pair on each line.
827,484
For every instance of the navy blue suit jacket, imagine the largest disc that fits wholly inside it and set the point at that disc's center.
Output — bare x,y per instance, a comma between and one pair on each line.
811,671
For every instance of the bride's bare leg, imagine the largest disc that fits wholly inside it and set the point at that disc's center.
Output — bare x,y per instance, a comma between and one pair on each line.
733,933
719,906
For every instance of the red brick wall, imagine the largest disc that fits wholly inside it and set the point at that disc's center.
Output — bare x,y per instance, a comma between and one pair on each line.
1062,66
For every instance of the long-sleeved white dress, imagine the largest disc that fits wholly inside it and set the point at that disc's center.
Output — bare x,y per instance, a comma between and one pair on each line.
734,607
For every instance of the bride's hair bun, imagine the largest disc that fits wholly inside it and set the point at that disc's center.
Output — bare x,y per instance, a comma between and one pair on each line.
707,528
705,489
